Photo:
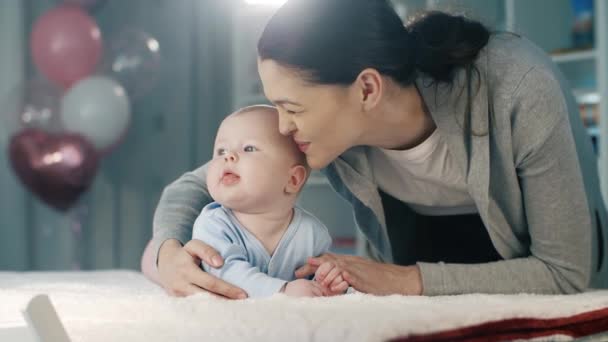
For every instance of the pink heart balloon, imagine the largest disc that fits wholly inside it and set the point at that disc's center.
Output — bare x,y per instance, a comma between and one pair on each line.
57,168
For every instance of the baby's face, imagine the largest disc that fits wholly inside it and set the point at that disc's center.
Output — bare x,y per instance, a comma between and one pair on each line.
251,162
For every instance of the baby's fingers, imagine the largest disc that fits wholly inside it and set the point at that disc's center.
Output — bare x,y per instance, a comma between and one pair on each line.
322,271
319,290
332,276
337,280
340,288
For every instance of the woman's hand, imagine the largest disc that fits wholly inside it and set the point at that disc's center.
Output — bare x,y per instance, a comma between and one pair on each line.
368,276
180,273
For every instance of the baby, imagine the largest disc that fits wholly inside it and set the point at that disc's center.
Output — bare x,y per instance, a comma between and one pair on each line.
254,177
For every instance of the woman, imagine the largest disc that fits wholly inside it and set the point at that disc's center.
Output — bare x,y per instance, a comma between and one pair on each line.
459,149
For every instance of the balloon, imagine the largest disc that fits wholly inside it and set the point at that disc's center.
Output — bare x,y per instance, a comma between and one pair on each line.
133,58
88,4
57,168
66,45
35,103
97,108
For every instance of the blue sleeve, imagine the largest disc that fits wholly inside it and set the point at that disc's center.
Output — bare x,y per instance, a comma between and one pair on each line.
322,240
237,269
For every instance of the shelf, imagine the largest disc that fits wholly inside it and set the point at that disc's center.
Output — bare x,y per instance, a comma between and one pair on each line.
593,131
586,96
578,56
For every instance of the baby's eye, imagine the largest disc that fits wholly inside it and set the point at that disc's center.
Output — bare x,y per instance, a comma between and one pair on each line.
291,112
220,152
250,148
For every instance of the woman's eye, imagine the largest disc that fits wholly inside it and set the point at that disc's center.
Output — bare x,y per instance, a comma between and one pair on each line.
250,148
291,112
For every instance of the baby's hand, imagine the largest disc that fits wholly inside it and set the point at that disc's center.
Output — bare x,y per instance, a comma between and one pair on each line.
303,288
330,277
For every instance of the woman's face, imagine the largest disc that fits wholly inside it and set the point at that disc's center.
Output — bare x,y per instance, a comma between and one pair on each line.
324,120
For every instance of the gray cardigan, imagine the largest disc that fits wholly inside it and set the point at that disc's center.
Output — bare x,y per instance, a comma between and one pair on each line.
529,168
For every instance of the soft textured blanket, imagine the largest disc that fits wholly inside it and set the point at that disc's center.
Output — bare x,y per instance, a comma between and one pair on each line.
124,306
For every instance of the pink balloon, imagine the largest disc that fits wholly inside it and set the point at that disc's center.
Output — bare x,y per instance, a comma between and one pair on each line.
58,168
66,45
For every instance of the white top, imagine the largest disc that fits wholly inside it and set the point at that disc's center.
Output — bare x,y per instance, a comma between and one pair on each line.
425,177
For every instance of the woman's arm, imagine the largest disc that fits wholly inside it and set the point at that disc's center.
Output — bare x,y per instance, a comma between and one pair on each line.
556,211
173,260
180,204
555,205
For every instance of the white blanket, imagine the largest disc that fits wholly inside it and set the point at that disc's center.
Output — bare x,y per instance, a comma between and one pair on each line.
124,306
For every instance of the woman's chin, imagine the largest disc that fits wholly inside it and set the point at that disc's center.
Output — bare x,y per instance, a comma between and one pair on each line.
312,163
316,163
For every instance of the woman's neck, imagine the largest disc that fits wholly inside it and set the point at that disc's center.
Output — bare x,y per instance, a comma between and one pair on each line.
268,226
401,121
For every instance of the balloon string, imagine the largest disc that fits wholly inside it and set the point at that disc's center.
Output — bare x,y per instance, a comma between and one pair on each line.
76,218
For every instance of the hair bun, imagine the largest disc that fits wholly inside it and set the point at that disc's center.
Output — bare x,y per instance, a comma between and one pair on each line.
444,43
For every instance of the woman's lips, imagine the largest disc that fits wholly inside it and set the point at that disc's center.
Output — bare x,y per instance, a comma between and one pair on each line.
303,147
229,178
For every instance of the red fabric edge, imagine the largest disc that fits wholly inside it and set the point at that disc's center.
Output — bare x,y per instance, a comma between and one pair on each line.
583,324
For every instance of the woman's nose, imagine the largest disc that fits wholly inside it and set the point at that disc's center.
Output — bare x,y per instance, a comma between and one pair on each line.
286,125
231,156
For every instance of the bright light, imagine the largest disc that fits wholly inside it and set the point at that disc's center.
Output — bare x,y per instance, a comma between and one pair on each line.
266,2
152,44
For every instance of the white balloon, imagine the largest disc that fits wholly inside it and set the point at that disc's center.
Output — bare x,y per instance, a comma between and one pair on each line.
98,108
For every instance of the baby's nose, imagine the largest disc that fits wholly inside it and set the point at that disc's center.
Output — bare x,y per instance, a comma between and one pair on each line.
230,156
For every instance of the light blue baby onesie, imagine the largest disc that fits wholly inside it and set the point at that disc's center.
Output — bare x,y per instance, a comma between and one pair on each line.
247,264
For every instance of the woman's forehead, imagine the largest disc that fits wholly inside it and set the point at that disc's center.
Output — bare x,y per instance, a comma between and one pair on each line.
279,80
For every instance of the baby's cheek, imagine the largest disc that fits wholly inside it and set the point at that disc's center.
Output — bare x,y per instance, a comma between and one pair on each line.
212,176
272,182
212,190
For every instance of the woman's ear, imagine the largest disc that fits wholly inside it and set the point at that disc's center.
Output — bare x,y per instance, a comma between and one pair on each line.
369,87
297,177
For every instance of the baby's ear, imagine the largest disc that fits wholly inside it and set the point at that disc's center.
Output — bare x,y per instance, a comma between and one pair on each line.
297,178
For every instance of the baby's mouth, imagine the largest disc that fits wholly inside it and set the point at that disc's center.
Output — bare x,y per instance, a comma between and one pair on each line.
229,178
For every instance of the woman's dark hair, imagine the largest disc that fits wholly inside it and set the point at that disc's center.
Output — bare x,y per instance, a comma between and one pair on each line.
332,41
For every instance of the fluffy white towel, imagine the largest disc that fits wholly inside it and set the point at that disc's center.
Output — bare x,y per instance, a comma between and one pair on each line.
124,306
